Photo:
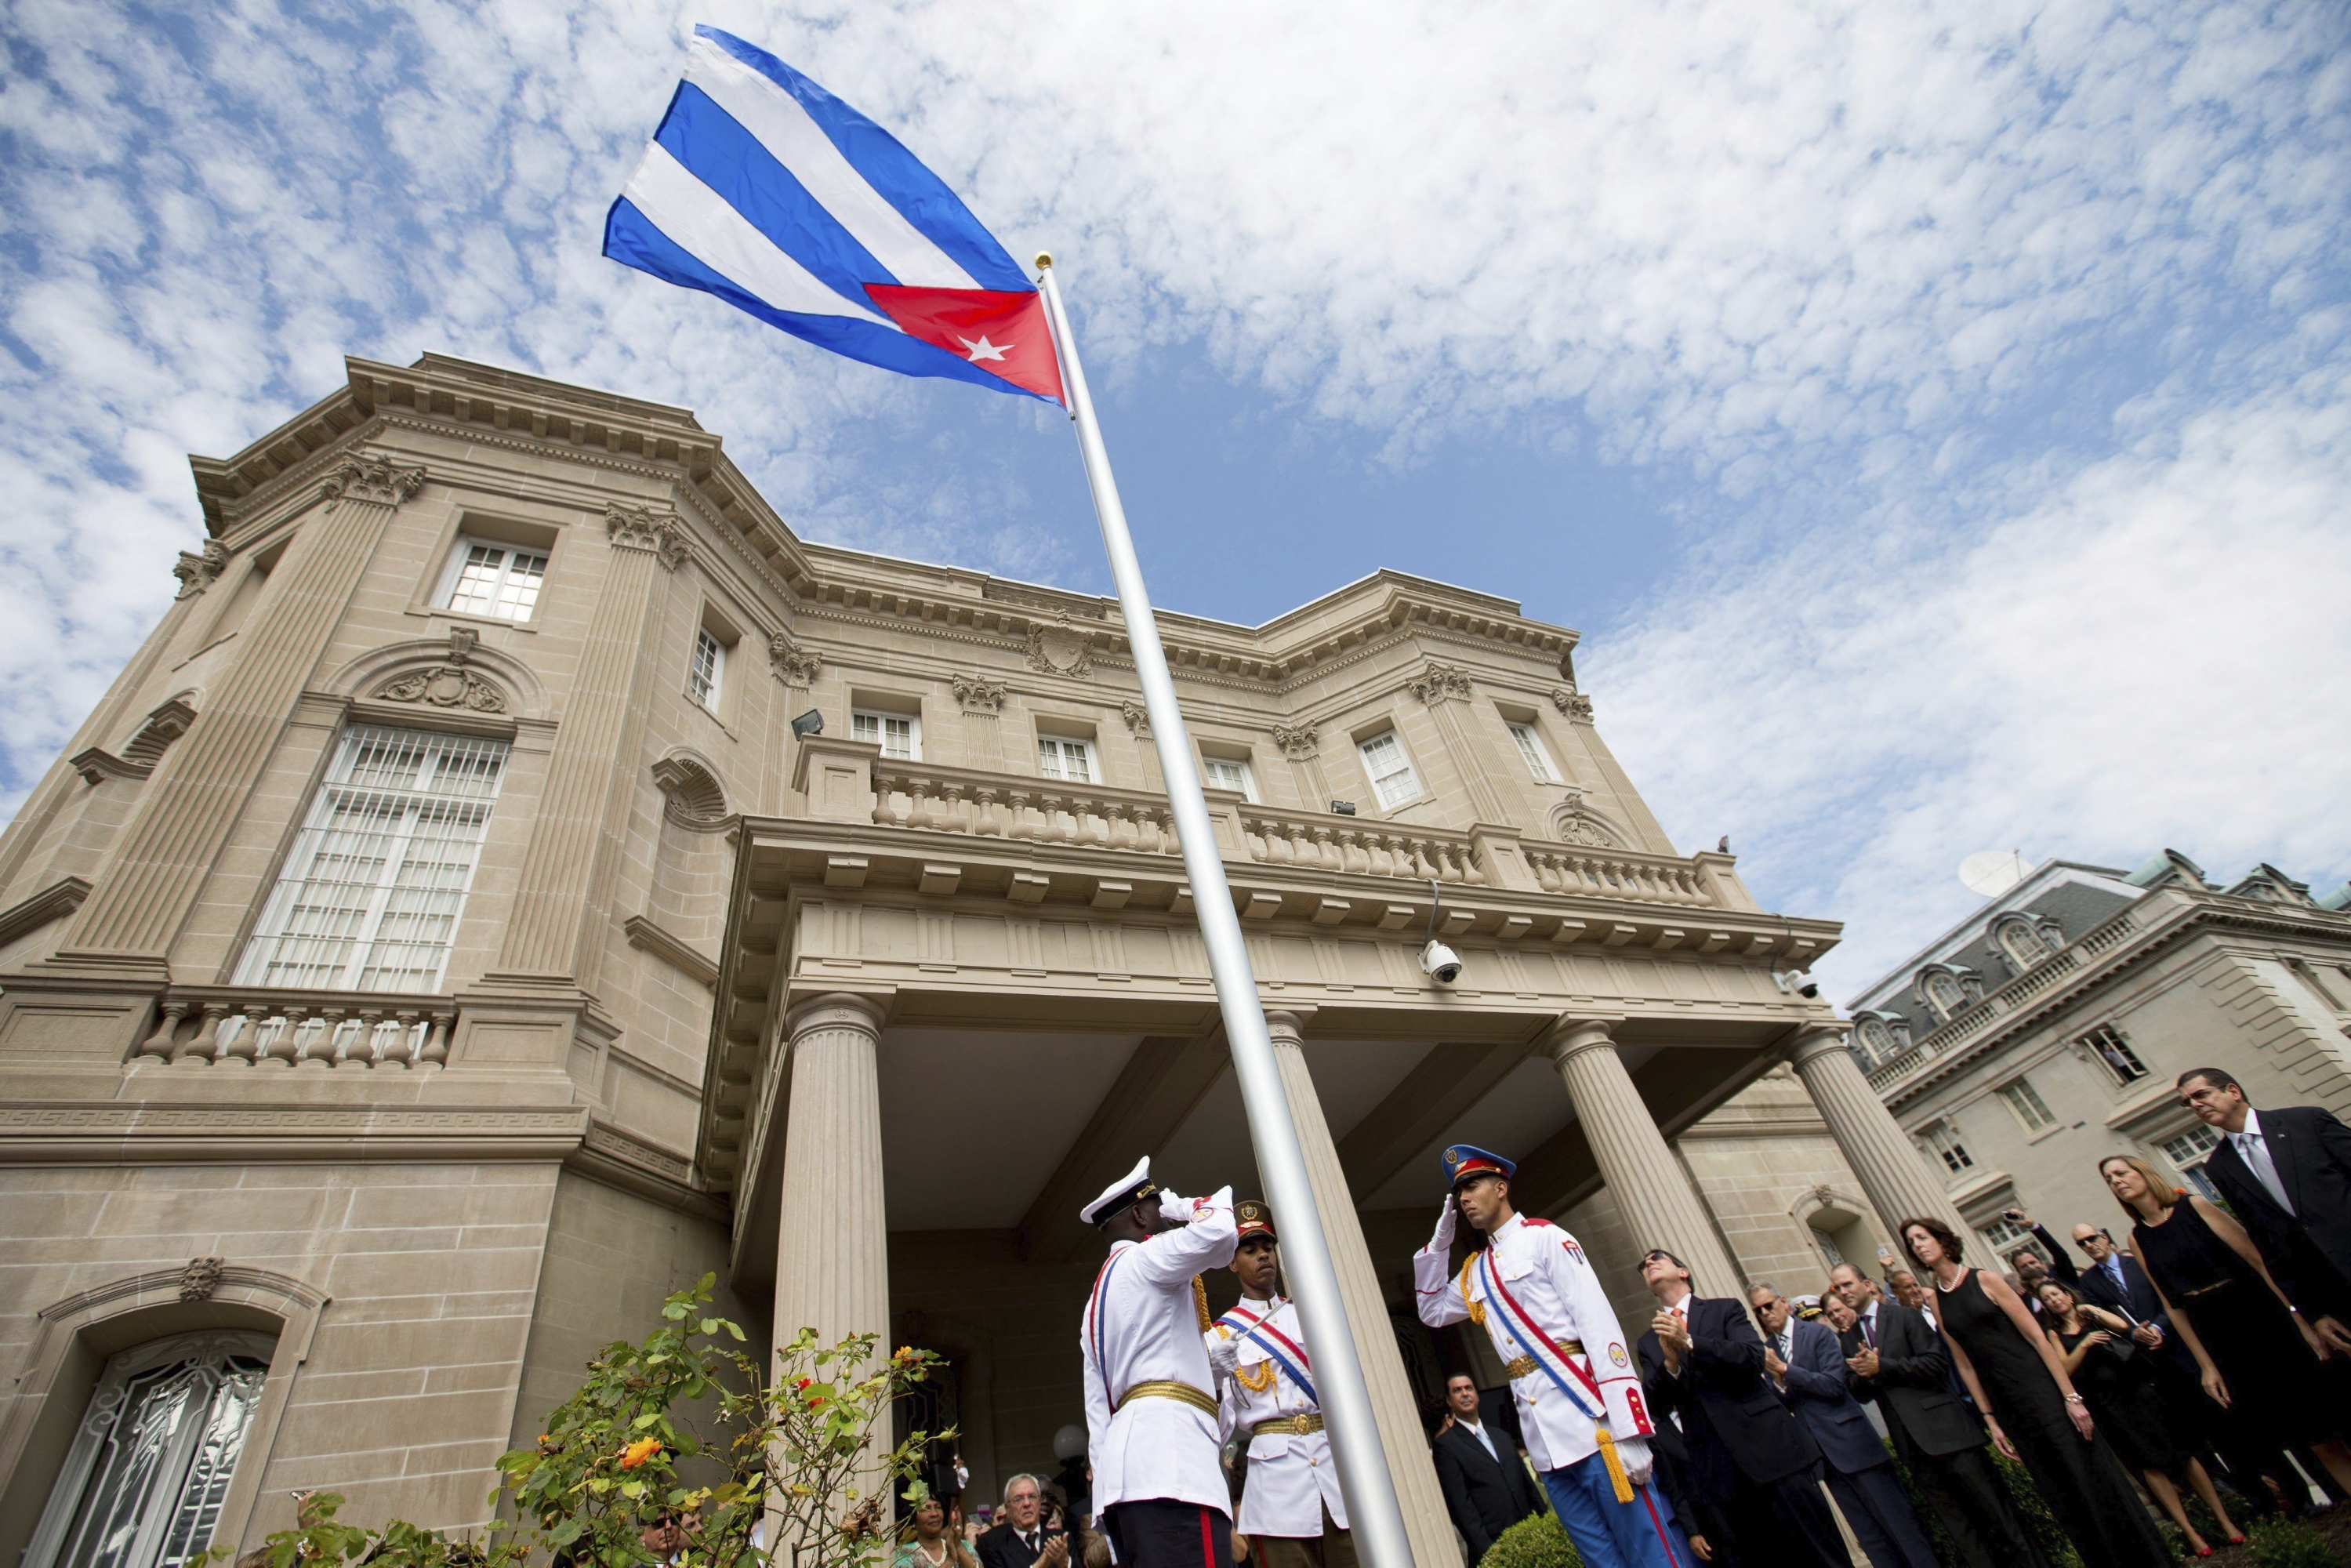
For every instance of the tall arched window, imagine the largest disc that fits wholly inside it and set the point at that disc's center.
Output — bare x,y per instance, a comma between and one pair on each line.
2021,944
150,1463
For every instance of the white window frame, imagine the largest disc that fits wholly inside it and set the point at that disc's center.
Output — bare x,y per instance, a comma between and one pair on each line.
351,820
2004,1235
1532,748
2107,1034
1403,771
2188,1152
1056,752
502,579
2024,1102
1944,1139
875,724
707,688
1244,777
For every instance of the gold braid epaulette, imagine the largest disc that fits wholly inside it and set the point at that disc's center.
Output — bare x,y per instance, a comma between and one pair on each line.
1200,1303
1461,1283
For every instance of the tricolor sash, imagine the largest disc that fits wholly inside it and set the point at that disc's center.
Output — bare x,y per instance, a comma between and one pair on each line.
1568,1378
1260,1332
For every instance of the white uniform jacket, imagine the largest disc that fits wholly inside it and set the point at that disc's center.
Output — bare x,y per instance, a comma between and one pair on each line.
1290,1475
1544,1271
1141,1326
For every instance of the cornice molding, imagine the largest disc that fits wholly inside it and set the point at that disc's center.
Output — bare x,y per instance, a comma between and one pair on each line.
55,902
79,1133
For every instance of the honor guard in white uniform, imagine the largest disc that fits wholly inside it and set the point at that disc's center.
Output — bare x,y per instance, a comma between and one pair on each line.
1150,1420
1292,1508
1572,1371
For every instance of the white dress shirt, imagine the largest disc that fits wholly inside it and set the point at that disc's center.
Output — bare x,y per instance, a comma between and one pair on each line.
1141,1312
1292,1478
2255,1150
1478,1431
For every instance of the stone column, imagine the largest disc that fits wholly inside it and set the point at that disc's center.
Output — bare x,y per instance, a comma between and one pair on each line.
1897,1177
184,816
1661,1208
832,1271
574,847
1424,1518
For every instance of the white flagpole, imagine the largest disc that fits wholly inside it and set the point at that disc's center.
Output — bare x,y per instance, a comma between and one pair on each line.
1372,1511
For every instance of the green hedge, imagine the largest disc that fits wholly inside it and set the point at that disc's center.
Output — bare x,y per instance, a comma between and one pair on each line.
1535,1541
2285,1544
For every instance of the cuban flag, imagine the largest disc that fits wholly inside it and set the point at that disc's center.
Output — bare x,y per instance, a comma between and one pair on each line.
766,190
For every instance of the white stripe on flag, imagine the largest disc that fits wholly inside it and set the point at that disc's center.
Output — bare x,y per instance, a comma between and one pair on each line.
776,118
723,239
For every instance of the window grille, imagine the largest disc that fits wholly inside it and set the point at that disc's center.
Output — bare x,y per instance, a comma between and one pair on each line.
1228,773
2025,1102
1531,746
1944,1139
709,670
2113,1052
369,895
2004,1234
148,1468
900,736
2188,1154
496,580
1392,779
1943,995
1058,757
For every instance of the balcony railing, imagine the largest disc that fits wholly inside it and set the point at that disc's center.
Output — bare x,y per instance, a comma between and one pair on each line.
1966,1027
220,1026
1055,811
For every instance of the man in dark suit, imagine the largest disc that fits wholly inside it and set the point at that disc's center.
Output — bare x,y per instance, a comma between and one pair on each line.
2287,1176
1806,1361
1702,1361
1893,1357
1487,1487
1022,1541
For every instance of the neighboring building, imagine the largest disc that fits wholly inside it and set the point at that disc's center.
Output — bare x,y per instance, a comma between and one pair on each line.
2044,1031
443,938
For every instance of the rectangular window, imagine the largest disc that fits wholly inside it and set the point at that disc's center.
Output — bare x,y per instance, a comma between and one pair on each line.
1060,757
2004,1233
1531,746
2188,1154
710,673
900,736
1392,779
1944,1139
485,578
2113,1052
2025,1102
369,895
1228,773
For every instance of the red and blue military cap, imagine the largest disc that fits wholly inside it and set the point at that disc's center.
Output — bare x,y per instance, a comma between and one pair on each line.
1463,1161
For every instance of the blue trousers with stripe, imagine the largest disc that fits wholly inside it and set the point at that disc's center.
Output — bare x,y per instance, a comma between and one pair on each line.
1608,1533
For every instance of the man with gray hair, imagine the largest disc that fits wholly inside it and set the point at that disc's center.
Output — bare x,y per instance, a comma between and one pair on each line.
1021,1540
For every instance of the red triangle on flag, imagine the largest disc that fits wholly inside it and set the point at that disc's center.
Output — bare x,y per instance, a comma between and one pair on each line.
1000,332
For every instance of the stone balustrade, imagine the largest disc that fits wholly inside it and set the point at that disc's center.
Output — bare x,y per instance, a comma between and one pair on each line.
1617,874
1043,811
250,1026
1366,847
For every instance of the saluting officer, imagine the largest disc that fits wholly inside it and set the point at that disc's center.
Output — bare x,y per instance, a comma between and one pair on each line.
1151,1421
1292,1509
1578,1396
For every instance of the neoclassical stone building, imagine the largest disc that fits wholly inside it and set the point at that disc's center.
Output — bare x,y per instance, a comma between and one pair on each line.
519,873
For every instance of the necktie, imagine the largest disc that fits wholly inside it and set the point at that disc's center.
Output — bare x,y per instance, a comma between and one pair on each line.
2255,1150
1869,1329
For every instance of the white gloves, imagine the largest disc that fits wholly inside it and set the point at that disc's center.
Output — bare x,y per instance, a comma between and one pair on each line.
1179,1209
1445,1220
1224,1355
1635,1453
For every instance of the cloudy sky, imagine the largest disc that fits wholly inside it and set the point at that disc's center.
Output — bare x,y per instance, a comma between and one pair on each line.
1937,418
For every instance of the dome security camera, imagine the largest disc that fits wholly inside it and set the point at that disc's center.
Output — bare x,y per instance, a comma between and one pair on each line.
1800,983
1440,963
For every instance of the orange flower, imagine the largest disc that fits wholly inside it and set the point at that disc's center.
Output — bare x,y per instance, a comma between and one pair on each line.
638,1452
906,1353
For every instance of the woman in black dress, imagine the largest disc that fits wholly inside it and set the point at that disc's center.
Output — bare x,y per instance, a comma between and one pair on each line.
2260,1361
2036,1418
2119,1385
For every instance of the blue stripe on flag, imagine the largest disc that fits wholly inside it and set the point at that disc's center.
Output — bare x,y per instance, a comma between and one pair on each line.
715,148
631,239
897,175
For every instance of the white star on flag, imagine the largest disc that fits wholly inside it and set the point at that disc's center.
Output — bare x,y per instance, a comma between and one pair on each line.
984,350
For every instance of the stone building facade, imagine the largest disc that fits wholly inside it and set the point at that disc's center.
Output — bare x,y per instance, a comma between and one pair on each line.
519,873
2046,1030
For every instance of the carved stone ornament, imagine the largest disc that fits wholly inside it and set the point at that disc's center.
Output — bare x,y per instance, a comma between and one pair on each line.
1297,741
1572,703
1576,823
641,528
197,572
446,686
795,665
1439,683
463,640
201,1278
1138,718
369,476
1059,650
977,694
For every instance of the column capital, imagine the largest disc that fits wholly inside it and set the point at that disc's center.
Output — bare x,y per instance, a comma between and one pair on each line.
1288,1024
837,1009
372,476
1814,1040
641,528
1571,1037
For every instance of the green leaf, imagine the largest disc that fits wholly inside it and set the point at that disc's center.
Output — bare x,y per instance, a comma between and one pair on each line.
731,1328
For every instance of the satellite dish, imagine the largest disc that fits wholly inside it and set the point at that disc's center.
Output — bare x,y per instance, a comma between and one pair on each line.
1991,872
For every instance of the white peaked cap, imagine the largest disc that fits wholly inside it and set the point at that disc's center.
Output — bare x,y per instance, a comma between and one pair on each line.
1126,1189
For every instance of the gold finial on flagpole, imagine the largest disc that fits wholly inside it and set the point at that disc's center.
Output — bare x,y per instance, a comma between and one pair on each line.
1044,259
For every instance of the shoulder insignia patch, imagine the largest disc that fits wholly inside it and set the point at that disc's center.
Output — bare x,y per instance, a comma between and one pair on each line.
1617,1355
1542,1224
